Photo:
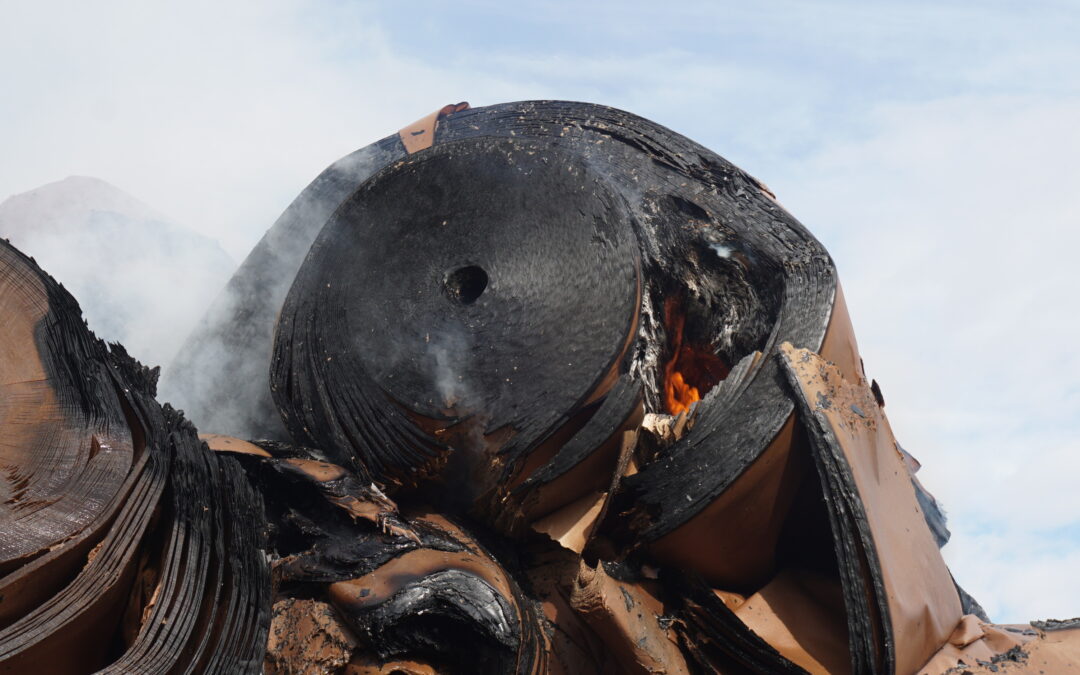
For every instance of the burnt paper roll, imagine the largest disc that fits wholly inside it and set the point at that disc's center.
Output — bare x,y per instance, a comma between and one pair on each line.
482,289
127,546
723,272
481,293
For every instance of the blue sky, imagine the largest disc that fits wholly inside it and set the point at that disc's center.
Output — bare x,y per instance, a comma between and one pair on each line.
930,145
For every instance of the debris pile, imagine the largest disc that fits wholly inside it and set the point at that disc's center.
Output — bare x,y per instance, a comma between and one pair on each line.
551,389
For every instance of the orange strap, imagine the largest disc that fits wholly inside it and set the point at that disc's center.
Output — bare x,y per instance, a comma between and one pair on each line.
420,135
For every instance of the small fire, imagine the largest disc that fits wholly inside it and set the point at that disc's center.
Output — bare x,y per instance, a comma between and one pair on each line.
692,369
680,395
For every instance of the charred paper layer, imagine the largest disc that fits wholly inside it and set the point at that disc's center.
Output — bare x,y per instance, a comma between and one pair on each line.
154,563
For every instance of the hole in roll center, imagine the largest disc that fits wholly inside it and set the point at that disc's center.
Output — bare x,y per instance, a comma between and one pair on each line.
466,284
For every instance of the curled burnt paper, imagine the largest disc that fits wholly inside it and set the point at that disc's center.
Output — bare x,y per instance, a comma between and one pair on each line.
540,387
127,545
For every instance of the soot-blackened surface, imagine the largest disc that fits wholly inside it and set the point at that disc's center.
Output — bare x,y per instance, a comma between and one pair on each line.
750,274
381,295
439,315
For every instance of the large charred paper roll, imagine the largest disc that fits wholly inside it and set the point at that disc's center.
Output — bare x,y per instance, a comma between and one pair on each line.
127,546
464,312
477,296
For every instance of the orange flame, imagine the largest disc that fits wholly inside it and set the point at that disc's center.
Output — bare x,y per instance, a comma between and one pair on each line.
691,369
680,396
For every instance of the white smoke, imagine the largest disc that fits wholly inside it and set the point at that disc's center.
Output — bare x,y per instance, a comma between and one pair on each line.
221,376
140,278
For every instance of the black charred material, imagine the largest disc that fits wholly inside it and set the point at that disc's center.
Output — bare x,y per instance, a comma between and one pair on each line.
1057,624
716,640
970,605
488,279
57,484
315,541
451,616
611,415
749,274
421,589
585,462
316,538
461,287
462,611
934,514
210,609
